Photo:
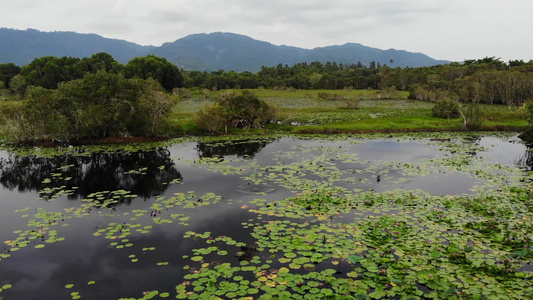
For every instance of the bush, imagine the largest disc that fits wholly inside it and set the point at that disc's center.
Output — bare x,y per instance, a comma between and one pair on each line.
232,110
528,134
182,92
351,103
211,117
326,96
446,109
471,115
389,93
529,112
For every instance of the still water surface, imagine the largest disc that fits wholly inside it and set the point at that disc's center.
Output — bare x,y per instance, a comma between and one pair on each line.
229,170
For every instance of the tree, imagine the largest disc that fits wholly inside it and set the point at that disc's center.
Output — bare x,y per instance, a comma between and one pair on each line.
42,117
211,117
18,85
155,105
446,109
95,106
100,62
151,66
471,115
241,111
49,71
8,71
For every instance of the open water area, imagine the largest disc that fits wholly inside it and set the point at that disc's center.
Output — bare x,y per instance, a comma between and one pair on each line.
269,217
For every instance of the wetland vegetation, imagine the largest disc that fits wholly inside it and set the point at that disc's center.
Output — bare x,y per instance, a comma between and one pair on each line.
72,99
415,215
278,208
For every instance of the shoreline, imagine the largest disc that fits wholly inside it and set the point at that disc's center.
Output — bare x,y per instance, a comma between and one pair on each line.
303,131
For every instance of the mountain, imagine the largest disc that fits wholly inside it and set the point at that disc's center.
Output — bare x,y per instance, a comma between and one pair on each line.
226,51
22,46
229,51
352,53
202,52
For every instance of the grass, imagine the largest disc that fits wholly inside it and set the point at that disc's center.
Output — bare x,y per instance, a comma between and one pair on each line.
314,115
311,114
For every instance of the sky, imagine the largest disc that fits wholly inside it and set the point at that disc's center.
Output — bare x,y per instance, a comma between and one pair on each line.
452,30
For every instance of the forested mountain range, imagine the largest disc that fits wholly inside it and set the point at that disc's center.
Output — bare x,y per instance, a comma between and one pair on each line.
22,46
202,52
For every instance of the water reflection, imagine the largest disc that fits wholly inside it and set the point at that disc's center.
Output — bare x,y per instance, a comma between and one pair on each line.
526,160
142,173
244,148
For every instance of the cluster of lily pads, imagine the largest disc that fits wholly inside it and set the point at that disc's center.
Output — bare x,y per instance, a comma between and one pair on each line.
397,243
335,236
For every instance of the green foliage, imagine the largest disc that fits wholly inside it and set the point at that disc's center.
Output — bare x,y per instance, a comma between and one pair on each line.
49,71
446,109
487,80
151,66
528,134
245,110
18,85
351,103
471,115
529,112
182,92
211,117
327,96
98,105
241,111
8,71
100,62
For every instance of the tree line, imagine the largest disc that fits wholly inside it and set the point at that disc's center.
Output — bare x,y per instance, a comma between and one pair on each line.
487,80
49,72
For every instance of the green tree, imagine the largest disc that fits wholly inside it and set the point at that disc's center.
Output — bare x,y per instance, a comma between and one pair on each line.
8,71
18,85
211,117
471,115
42,117
446,109
100,62
95,106
242,111
151,66
49,71
155,105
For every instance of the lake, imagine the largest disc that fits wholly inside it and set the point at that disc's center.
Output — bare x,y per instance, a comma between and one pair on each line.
355,216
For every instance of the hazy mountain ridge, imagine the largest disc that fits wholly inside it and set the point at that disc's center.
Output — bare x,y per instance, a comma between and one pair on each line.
22,46
202,52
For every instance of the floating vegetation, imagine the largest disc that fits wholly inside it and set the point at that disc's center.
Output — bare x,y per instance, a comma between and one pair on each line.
315,217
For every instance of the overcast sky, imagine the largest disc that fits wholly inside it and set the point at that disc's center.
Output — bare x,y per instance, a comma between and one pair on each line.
443,29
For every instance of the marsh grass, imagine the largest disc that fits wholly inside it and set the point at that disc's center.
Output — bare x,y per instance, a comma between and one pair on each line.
304,109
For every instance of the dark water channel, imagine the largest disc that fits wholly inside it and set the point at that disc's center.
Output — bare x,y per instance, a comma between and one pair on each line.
32,183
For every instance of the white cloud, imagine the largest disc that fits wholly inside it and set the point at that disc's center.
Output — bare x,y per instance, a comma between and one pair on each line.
450,29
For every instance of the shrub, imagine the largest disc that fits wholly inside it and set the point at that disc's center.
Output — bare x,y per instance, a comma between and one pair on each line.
182,92
471,115
529,112
241,111
389,93
351,103
206,93
528,134
211,117
446,109
326,96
